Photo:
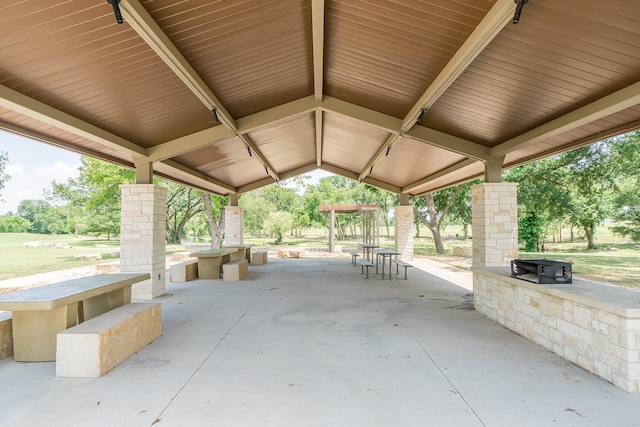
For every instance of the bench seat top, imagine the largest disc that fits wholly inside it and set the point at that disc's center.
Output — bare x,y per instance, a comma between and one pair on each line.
49,297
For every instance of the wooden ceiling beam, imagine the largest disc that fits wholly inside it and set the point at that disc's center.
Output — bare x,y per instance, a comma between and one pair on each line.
462,164
149,30
22,104
603,107
187,143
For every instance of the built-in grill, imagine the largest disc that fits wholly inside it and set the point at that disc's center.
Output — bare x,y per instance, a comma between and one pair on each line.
544,271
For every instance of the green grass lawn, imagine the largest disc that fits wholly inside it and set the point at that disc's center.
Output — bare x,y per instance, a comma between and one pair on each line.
20,257
617,263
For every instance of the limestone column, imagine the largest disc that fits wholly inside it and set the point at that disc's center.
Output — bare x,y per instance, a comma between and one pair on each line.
143,236
233,225
404,228
494,223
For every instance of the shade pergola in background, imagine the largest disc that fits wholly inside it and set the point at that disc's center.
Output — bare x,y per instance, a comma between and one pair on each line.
370,221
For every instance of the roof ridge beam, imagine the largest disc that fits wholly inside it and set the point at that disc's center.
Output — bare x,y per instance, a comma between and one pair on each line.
22,104
605,106
317,25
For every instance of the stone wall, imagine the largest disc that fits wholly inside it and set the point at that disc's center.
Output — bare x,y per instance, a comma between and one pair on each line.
594,326
143,237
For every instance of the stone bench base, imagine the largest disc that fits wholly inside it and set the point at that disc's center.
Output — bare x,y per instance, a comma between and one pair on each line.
234,271
6,335
184,271
259,257
93,348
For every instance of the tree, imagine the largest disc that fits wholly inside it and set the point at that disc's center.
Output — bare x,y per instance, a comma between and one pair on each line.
14,224
277,223
433,208
183,203
94,196
214,211
4,160
625,151
37,213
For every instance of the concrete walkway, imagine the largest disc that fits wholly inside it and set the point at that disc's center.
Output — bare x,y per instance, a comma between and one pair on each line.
310,342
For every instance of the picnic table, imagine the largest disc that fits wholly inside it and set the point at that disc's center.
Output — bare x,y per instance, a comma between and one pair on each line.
242,251
384,253
40,313
210,261
366,250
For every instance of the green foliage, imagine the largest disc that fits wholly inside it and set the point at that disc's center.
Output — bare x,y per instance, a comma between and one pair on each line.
14,224
530,231
4,159
277,223
183,203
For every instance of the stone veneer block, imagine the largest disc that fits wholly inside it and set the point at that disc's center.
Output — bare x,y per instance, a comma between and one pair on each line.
594,326
184,271
494,224
143,236
259,257
96,346
234,271
233,225
6,335
404,231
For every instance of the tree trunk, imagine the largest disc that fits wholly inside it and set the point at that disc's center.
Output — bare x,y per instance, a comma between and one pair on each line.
590,231
215,228
433,223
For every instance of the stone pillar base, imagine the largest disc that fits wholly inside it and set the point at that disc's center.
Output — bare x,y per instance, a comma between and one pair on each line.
143,237
494,224
404,230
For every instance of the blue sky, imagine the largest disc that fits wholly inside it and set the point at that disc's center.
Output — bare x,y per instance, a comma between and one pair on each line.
32,166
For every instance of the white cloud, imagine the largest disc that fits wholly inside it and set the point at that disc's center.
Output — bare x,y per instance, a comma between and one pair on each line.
25,185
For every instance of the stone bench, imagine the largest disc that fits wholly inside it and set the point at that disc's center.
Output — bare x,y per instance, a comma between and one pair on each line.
259,257
234,271
93,348
184,271
6,335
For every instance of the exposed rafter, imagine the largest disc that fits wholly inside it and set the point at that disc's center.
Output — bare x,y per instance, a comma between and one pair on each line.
15,101
284,175
462,164
187,143
276,114
448,142
617,101
354,176
499,16
199,175
140,20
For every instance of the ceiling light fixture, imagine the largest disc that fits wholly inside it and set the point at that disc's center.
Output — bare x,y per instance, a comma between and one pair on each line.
116,10
520,4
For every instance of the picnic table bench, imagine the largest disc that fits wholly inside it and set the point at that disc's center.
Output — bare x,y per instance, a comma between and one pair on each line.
210,261
40,313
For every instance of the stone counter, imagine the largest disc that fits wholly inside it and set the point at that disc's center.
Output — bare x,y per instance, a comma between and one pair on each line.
594,325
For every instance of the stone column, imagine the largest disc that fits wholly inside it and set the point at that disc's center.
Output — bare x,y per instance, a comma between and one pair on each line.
233,225
332,232
143,237
404,230
494,224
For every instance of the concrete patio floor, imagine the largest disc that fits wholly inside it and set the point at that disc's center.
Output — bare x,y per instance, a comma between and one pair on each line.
310,342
